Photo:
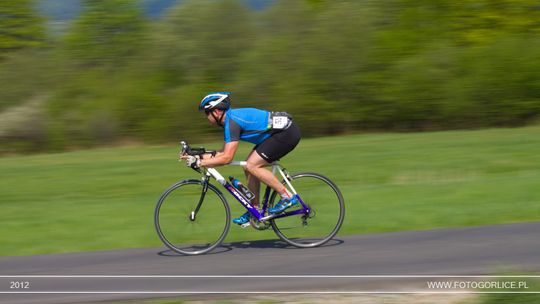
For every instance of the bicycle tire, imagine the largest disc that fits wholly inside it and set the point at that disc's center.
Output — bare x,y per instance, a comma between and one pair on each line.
291,229
180,229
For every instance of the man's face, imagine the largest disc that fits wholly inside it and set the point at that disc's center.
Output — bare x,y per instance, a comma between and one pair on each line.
210,117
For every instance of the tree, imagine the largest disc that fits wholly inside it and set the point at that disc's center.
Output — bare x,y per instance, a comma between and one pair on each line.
203,40
108,32
481,22
20,26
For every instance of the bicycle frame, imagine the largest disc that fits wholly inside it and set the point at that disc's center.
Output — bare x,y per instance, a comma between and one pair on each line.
276,167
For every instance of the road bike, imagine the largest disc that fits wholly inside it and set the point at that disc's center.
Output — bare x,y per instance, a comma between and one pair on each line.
193,216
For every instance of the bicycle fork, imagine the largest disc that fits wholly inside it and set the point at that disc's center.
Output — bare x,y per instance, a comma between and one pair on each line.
193,213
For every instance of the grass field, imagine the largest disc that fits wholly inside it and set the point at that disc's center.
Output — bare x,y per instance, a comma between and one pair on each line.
104,198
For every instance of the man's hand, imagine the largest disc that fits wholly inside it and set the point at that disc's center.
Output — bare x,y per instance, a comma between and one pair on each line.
193,161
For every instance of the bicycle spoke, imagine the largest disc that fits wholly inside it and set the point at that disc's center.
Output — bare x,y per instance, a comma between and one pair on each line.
326,216
187,225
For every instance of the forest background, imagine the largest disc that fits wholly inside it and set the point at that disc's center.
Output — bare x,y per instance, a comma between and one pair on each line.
115,72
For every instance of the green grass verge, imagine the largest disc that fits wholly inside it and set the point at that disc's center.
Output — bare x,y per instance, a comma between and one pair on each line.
104,198
514,296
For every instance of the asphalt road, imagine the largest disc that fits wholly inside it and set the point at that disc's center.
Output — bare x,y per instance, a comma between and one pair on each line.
344,265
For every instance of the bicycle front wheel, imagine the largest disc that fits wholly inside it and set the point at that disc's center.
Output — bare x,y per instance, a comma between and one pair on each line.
326,216
190,220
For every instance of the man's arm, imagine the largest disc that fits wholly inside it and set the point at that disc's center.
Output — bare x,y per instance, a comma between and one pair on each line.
223,157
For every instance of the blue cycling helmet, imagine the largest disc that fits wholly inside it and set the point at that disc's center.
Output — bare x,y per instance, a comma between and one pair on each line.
217,100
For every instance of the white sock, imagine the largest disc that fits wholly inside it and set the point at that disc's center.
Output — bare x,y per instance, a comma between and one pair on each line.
286,194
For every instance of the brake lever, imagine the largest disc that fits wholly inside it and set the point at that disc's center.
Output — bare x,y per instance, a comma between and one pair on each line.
185,147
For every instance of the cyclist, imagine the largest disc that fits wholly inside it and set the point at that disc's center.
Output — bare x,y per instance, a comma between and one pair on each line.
274,134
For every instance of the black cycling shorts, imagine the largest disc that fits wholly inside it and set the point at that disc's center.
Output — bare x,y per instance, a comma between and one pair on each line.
279,144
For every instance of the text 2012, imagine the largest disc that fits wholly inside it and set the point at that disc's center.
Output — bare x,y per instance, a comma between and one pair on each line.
19,285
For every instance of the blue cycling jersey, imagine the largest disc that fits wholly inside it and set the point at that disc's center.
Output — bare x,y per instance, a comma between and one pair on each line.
246,124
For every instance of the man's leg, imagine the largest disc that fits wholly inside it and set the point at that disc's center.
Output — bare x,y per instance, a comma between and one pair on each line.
254,161
255,167
254,184
273,148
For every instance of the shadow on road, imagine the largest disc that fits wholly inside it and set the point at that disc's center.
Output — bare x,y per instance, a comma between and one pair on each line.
170,253
257,244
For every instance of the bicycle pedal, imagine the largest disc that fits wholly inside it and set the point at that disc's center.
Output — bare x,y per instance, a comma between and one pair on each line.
245,225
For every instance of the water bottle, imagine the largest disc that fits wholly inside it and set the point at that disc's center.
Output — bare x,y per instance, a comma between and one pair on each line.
243,189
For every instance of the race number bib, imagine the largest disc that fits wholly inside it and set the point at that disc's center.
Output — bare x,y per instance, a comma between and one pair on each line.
279,122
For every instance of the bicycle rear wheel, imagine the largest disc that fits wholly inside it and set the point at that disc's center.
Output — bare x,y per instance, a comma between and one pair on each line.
326,216
182,227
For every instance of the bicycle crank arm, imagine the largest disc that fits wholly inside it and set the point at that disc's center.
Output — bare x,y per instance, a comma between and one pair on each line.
271,216
284,214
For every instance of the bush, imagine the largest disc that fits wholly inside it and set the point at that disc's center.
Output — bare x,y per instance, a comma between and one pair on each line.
24,127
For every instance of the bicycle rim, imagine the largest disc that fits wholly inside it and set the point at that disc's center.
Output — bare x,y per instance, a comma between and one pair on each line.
324,221
181,229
